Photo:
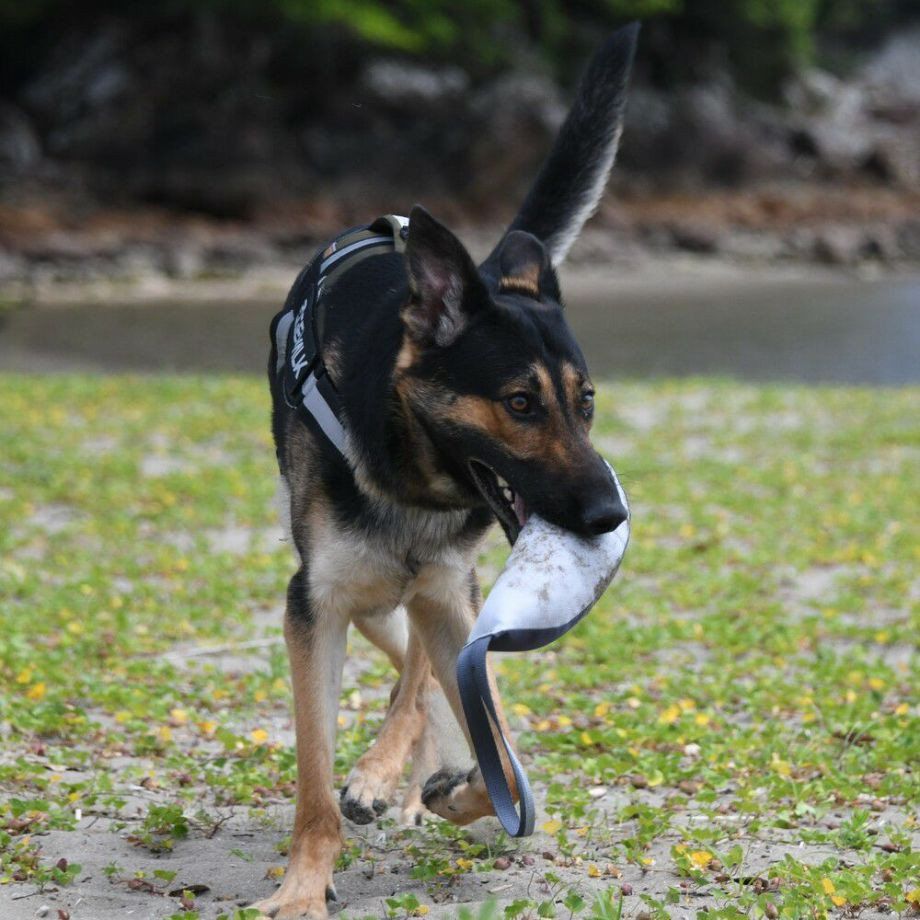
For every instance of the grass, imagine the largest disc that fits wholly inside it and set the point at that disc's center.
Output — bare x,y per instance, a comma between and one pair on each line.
737,720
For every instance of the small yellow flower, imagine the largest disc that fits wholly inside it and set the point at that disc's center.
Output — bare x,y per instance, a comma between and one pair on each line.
164,734
274,872
464,864
37,691
670,715
780,766
828,886
593,871
178,716
601,709
258,736
701,858
24,676
520,709
701,719
838,899
552,827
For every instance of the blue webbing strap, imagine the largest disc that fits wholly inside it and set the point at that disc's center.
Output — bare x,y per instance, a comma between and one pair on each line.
479,708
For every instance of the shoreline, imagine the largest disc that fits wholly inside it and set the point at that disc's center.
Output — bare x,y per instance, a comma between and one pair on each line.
646,277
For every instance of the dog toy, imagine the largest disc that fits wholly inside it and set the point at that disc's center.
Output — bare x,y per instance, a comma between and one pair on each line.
551,580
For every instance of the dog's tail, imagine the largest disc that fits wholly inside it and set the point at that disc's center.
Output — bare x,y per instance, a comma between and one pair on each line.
572,179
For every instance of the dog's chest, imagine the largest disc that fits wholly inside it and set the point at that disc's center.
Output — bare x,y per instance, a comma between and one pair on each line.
371,569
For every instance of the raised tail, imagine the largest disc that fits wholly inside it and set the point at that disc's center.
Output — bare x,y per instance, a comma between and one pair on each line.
572,180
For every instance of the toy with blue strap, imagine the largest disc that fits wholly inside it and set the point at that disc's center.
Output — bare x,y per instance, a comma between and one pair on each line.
551,580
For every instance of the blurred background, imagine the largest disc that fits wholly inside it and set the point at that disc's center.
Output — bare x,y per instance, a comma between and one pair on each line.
198,150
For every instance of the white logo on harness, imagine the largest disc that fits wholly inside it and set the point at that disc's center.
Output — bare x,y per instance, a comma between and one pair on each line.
298,359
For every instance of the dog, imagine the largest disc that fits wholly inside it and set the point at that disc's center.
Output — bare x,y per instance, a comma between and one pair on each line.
456,396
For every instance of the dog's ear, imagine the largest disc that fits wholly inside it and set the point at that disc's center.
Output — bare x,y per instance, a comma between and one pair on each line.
525,267
444,285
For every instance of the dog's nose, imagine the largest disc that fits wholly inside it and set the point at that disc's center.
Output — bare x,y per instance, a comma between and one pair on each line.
604,516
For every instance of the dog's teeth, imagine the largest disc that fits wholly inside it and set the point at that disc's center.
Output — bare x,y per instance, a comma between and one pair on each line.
509,495
502,482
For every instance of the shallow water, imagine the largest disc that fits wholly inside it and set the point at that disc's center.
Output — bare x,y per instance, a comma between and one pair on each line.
836,330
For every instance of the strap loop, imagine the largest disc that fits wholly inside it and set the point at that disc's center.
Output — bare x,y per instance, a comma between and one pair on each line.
483,724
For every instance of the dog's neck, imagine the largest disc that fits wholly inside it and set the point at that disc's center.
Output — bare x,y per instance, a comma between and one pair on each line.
391,454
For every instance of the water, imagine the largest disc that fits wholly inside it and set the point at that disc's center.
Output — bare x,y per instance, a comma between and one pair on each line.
837,330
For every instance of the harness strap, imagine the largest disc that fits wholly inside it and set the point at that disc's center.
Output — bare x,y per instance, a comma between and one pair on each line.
298,331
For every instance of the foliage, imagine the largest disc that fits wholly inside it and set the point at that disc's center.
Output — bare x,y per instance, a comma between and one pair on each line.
735,722
761,39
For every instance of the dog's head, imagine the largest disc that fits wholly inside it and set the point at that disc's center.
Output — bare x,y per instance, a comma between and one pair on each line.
492,374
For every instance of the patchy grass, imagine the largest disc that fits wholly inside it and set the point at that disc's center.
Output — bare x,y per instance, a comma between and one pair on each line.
733,730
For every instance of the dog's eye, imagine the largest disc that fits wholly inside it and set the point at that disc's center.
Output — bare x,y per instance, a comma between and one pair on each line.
587,402
520,403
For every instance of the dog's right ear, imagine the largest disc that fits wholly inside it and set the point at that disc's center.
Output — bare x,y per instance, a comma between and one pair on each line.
444,285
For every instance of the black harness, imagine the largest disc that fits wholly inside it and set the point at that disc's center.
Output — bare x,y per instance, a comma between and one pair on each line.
297,331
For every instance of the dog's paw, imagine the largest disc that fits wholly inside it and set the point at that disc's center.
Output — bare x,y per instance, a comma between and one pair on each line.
291,900
441,784
366,793
281,908
456,795
360,808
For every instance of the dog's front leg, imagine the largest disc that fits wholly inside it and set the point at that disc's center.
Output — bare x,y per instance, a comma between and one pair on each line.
443,613
374,777
316,640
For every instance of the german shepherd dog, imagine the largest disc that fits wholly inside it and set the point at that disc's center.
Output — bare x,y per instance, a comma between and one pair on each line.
465,399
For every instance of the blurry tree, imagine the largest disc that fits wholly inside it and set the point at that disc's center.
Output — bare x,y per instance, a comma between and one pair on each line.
760,41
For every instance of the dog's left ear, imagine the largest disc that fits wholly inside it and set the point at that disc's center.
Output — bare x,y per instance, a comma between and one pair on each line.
525,268
444,285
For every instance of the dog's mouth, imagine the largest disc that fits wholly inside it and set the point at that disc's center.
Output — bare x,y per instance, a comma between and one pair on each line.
508,506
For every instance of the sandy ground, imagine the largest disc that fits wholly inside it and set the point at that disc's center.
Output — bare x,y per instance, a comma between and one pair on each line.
240,860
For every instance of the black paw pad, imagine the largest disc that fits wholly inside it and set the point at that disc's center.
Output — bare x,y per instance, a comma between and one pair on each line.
441,784
331,893
356,811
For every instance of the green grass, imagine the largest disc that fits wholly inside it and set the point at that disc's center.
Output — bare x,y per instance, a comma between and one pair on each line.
750,678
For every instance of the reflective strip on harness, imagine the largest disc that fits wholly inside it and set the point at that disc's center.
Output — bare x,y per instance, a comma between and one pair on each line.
326,264
320,410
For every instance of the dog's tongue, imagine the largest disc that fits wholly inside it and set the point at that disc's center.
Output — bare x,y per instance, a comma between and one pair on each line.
520,510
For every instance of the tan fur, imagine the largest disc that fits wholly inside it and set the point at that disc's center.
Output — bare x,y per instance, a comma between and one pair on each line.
526,283
375,775
316,670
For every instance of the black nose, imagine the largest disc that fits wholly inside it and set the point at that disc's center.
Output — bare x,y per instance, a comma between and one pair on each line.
604,516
